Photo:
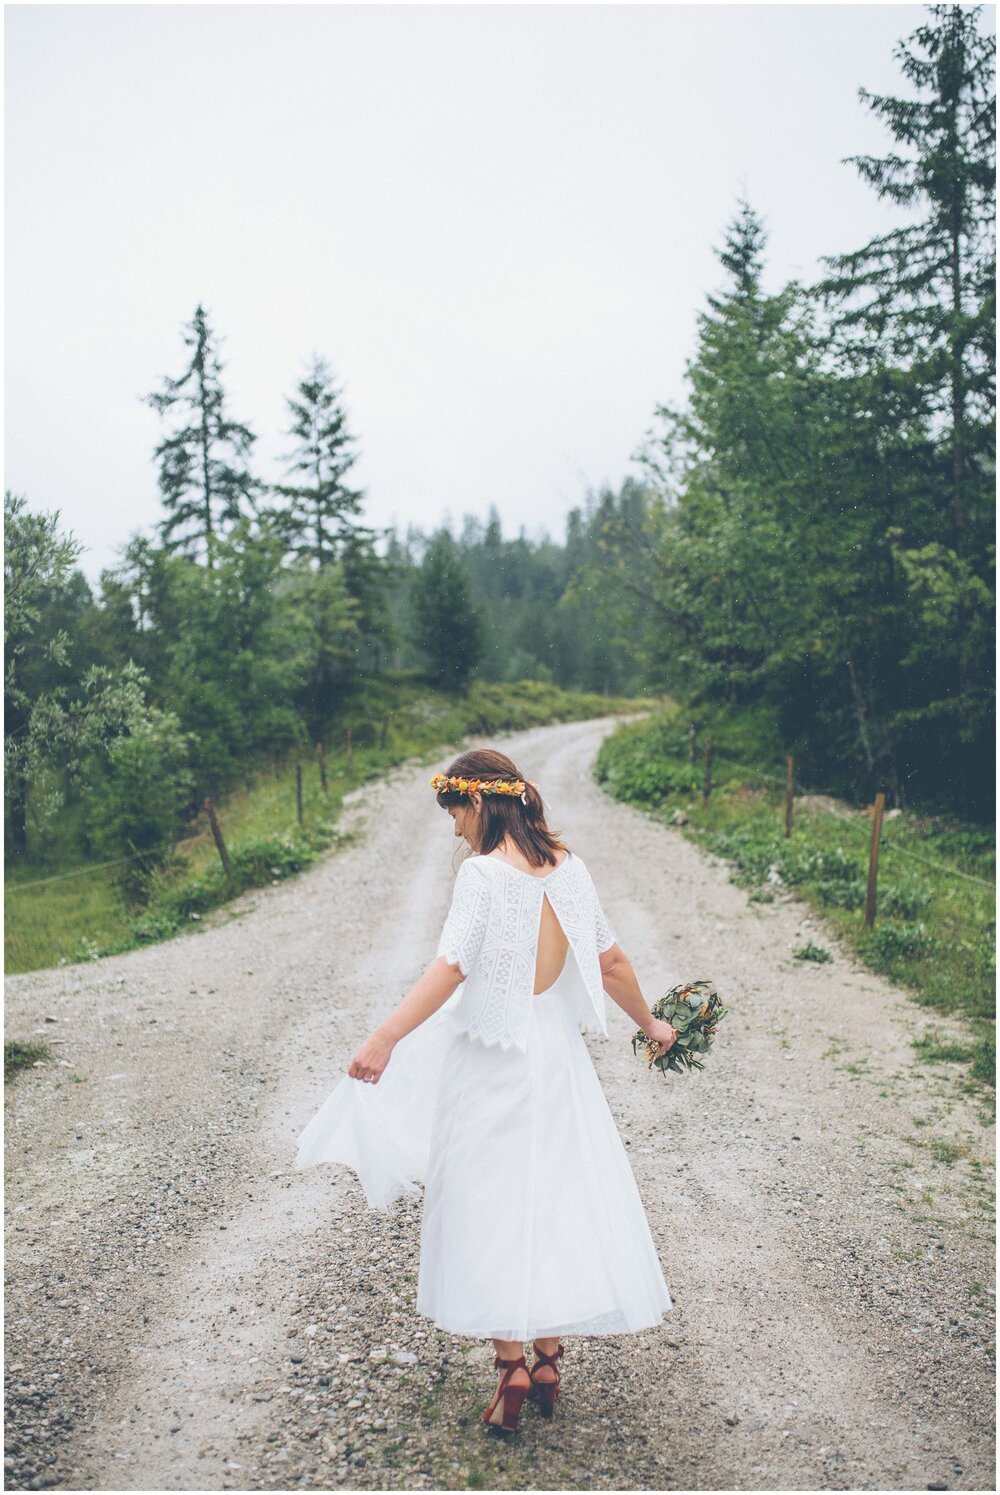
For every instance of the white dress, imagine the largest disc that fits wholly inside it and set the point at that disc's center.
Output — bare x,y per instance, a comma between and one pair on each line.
532,1223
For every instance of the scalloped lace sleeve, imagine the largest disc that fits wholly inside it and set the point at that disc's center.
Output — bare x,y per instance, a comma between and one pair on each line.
465,926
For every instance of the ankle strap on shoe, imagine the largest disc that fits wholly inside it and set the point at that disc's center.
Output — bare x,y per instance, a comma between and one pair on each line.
509,1364
548,1359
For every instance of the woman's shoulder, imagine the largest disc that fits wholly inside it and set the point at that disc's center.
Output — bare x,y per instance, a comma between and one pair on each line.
569,861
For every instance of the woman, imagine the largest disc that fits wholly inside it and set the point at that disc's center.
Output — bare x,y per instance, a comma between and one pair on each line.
532,1224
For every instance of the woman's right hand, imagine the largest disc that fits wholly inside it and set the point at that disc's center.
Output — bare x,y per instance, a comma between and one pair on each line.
371,1058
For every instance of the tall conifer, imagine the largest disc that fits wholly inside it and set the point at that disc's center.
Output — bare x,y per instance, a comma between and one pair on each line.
323,508
921,297
447,626
203,474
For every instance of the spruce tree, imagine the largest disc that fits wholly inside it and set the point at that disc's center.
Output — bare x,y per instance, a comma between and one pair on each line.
322,509
203,474
446,624
920,298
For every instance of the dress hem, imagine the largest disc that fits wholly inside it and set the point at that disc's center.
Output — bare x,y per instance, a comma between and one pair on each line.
585,1330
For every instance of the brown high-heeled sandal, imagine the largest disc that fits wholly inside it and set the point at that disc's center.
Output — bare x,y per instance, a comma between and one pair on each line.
545,1392
504,1411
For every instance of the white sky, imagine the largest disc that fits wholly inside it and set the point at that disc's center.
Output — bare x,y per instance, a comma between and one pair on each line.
496,222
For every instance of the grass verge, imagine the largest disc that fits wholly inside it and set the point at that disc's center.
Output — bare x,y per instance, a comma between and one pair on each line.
934,931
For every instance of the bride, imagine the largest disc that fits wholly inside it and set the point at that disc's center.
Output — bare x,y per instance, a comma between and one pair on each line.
480,1085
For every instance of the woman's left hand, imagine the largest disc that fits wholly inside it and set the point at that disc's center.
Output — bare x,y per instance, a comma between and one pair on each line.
371,1058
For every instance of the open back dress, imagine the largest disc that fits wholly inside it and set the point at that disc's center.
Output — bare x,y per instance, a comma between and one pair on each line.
532,1223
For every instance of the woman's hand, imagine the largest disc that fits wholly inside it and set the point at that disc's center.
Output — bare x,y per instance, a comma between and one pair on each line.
662,1033
371,1058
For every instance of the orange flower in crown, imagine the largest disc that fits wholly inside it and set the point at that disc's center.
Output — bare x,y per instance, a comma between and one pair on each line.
441,784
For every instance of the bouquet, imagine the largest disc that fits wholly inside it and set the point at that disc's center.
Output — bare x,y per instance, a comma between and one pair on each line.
694,1010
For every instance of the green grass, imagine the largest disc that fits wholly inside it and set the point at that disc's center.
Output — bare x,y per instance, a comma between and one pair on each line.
934,933
82,917
931,1049
18,1056
809,951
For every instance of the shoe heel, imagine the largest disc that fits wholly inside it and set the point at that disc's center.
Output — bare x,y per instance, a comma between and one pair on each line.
504,1412
509,1409
546,1393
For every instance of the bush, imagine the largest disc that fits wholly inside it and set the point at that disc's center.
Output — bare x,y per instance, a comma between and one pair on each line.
137,800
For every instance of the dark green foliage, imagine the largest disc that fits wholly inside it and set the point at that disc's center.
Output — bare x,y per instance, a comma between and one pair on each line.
61,708
446,625
914,333
138,794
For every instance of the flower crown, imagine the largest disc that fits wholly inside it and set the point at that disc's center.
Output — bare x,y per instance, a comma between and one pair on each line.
441,783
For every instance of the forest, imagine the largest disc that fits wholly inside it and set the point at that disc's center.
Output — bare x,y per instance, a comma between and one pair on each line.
811,542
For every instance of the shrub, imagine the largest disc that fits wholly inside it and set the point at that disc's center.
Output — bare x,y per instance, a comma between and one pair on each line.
809,951
138,796
890,942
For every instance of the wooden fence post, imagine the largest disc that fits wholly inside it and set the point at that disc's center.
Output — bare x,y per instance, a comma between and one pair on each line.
350,753
789,795
708,771
220,844
298,790
321,755
873,860
692,740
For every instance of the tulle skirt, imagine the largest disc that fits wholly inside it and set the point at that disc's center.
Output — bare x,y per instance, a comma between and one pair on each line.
532,1223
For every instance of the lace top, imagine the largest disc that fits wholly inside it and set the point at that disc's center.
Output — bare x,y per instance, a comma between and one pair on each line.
491,934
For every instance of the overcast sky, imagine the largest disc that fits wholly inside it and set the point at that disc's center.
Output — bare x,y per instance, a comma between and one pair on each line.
498,224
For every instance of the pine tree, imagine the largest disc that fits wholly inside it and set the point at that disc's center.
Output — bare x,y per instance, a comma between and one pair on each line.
921,297
203,487
447,626
322,510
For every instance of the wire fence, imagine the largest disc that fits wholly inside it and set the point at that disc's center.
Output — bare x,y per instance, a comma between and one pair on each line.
19,887
885,843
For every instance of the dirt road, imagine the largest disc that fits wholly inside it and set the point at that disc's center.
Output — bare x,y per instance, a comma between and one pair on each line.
185,1311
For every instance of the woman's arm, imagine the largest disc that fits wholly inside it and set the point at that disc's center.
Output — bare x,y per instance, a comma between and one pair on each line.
622,987
436,985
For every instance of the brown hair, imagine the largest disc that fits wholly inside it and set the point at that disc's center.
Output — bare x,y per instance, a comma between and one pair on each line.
503,816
